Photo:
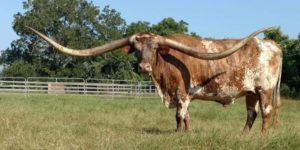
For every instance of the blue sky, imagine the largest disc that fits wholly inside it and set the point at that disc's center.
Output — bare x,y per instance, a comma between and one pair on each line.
208,18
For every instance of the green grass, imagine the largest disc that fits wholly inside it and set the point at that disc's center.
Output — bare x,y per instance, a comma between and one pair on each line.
91,122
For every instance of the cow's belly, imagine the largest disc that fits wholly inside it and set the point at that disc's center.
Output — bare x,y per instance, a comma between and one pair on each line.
225,100
224,96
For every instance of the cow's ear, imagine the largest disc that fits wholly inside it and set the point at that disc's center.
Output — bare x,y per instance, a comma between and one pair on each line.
127,49
163,50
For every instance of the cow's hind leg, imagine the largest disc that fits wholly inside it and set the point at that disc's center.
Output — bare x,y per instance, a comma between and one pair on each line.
276,105
252,110
265,97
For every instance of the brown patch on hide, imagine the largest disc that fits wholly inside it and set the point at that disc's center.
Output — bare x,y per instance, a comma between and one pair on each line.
212,87
273,63
163,50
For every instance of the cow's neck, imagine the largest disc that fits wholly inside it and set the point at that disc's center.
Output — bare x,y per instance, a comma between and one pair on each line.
158,71
158,75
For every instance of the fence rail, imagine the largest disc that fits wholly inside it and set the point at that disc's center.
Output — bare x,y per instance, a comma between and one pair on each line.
89,86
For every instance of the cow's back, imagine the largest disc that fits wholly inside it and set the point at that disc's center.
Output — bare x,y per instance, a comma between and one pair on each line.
255,64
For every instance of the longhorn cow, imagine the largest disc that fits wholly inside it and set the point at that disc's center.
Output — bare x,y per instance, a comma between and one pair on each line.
185,68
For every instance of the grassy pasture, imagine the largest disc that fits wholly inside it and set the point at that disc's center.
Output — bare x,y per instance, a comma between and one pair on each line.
91,122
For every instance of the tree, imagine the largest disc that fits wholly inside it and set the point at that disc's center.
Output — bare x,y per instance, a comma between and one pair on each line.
140,26
169,26
73,23
20,68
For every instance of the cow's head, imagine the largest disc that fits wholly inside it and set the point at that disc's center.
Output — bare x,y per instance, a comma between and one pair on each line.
146,45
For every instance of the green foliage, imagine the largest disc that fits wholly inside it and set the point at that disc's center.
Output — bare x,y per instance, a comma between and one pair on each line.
169,26
194,34
138,27
20,68
291,63
117,66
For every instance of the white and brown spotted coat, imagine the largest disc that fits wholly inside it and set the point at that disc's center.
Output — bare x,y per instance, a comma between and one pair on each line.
257,64
181,78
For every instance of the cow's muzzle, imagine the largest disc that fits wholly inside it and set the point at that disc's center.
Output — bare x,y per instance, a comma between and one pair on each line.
145,67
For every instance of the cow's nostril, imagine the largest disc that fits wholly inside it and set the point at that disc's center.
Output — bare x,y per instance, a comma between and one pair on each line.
145,67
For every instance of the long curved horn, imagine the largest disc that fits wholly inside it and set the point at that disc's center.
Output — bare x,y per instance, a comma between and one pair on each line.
208,56
85,52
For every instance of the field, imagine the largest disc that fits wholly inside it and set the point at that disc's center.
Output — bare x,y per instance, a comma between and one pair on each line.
91,122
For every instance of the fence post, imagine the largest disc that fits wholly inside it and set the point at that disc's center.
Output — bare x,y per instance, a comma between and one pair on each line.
149,87
139,89
113,89
131,88
84,88
26,86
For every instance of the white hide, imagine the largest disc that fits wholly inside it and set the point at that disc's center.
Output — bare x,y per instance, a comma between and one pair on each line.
184,108
210,46
262,75
267,110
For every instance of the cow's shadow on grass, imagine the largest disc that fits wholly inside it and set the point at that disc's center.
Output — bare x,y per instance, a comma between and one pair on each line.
157,131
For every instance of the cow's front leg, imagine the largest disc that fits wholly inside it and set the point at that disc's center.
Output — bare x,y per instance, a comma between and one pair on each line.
182,115
187,122
179,120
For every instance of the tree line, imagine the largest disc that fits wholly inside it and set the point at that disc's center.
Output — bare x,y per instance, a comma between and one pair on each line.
80,24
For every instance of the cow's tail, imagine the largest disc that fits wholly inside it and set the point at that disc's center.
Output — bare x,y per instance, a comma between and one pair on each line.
276,101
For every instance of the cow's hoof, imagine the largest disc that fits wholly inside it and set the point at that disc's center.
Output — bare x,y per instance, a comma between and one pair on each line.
178,130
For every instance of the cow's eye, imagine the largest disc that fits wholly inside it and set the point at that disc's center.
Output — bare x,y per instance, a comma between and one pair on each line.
153,46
